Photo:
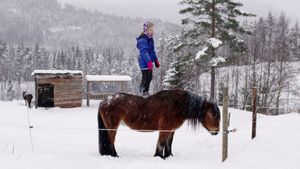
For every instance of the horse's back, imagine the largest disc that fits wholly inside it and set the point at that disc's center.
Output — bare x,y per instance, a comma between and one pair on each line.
161,111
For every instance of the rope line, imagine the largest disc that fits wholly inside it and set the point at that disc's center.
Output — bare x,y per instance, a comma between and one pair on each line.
30,127
95,129
118,129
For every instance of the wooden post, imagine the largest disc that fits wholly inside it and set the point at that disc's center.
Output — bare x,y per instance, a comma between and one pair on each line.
122,86
254,90
88,94
36,93
225,125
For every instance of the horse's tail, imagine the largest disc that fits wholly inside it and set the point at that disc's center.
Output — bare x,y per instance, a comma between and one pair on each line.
104,143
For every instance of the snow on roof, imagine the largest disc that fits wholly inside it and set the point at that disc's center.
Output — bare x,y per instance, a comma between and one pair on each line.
107,78
56,72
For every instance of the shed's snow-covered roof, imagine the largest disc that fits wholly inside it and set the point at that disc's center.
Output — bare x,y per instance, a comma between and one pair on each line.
56,72
107,78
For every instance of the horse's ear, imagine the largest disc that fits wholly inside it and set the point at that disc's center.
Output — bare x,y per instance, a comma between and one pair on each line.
205,103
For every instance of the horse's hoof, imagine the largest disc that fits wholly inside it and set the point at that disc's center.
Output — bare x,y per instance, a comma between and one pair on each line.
167,155
115,155
161,156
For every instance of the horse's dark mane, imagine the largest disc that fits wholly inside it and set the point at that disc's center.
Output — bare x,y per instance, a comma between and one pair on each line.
194,109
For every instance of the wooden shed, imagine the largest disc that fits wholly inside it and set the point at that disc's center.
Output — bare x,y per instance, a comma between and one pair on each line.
58,88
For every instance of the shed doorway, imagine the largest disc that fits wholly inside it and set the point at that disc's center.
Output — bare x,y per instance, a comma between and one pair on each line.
46,95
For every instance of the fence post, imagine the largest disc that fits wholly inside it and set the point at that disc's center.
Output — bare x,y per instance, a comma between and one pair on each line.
225,125
88,94
254,114
122,86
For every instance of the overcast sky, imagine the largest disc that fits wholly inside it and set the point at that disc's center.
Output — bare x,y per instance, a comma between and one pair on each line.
167,10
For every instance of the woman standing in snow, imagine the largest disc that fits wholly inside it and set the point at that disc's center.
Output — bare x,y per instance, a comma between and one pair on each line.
145,44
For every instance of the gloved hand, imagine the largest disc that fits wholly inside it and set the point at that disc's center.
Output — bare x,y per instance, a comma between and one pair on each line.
149,65
157,63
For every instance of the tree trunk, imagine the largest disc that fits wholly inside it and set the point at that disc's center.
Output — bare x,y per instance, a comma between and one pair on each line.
280,85
267,86
254,73
236,89
213,32
212,84
245,89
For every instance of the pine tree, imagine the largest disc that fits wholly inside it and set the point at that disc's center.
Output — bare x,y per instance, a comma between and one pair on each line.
63,59
10,93
212,21
18,63
38,57
166,52
28,65
3,61
10,63
53,61
78,56
179,74
295,42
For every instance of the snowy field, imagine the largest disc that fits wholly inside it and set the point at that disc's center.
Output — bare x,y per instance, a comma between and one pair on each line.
67,139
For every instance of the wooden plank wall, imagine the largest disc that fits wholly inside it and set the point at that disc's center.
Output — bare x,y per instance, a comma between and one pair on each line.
67,90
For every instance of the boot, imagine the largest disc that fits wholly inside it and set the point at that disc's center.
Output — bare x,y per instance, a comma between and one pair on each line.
146,94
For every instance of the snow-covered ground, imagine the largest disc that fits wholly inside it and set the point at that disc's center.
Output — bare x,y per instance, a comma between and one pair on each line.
67,139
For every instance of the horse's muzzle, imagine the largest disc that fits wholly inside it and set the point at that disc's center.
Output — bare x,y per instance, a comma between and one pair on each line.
214,132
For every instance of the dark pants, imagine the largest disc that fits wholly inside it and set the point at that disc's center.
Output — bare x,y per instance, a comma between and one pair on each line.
146,80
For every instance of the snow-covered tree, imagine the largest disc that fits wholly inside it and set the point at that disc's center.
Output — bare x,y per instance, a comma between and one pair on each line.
211,23
168,56
39,57
10,93
19,61
283,53
179,75
3,61
27,64
295,42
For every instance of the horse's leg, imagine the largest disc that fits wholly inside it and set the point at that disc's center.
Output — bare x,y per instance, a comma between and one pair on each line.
161,143
107,137
104,143
112,136
29,103
113,124
168,148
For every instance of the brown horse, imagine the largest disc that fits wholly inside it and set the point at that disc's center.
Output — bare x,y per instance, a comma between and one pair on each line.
27,98
164,111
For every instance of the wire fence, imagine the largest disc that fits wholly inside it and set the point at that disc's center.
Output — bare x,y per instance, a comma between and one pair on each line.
11,148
